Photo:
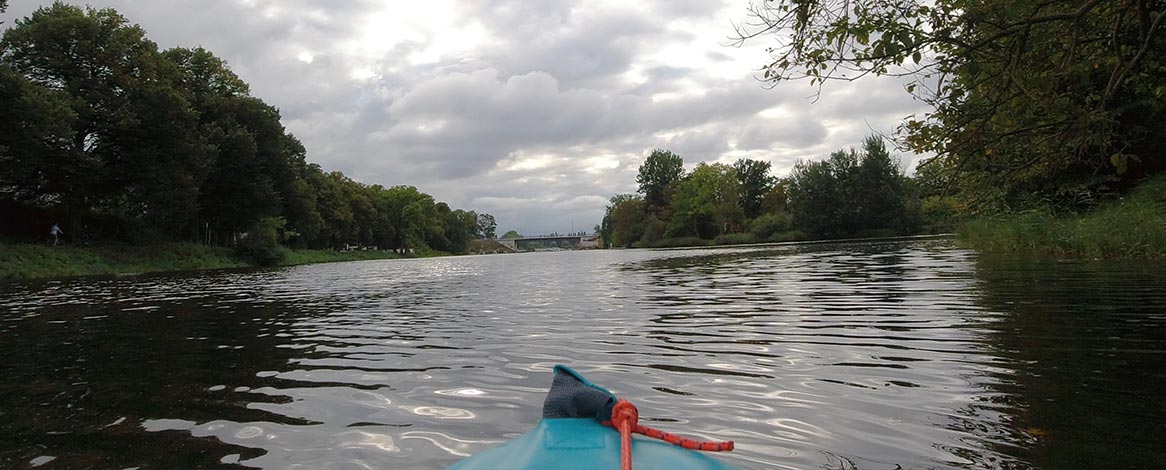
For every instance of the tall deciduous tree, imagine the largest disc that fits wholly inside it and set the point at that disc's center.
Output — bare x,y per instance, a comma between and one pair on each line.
853,193
628,218
880,190
132,151
820,195
707,203
776,200
657,175
487,226
755,183
607,225
36,124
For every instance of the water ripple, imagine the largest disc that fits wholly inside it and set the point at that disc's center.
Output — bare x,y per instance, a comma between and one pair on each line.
907,354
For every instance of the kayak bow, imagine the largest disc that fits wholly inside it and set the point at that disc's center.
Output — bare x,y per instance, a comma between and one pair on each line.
579,432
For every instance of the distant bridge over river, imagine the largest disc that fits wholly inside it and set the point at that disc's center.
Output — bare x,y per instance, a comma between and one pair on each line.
548,241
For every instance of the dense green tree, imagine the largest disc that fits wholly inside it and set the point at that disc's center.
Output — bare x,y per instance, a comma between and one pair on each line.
933,179
511,234
460,228
36,124
657,174
240,188
654,230
853,193
628,220
607,225
338,228
416,216
756,182
300,207
134,150
821,192
776,200
707,203
769,225
881,194
487,226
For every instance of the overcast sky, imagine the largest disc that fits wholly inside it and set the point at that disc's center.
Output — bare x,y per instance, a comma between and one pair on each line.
534,111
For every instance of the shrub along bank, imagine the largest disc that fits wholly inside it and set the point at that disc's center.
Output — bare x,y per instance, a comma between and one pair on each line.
1131,227
30,261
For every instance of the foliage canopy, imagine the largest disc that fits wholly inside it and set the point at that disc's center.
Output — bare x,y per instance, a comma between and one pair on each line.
1033,103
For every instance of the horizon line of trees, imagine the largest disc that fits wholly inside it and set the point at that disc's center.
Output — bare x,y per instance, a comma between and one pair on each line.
123,141
852,193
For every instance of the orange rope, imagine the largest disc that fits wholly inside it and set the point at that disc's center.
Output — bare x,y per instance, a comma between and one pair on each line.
625,417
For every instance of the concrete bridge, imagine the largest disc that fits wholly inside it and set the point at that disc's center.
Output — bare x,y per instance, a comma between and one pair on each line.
576,241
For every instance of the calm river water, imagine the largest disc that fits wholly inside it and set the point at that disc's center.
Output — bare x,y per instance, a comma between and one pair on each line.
890,355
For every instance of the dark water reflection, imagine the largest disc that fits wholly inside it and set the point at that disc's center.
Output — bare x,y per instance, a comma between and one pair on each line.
881,355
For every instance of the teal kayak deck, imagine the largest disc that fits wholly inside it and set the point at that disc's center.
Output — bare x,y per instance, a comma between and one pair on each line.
584,444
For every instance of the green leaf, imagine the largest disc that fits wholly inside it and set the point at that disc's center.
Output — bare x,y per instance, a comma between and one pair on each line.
1120,162
863,37
905,39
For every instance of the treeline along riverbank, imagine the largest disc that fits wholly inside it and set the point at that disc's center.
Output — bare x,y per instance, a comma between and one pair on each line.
854,193
861,194
118,142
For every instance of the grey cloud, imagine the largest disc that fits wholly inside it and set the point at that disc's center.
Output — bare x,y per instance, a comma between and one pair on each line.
698,144
788,132
581,47
685,9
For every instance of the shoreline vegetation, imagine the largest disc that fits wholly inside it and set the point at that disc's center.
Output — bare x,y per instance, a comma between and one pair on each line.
27,261
863,194
43,261
1130,227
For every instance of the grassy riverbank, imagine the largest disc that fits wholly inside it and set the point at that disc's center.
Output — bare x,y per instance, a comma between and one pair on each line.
1133,227
25,261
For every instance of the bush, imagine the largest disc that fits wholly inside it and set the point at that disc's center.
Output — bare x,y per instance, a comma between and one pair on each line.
735,239
765,226
1130,227
876,233
678,242
940,215
788,236
653,230
261,245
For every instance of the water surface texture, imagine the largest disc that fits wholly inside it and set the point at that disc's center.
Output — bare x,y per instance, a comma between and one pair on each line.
891,355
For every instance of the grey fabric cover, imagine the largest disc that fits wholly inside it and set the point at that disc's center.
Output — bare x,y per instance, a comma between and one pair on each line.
572,396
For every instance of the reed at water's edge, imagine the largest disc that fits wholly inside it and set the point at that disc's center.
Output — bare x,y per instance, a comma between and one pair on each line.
1132,227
